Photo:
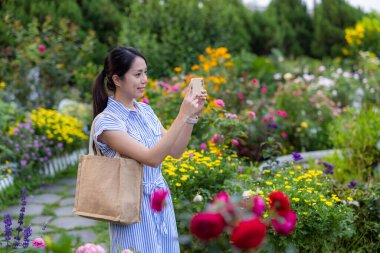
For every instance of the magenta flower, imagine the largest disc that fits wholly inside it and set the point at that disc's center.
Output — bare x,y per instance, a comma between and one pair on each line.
258,207
255,81
285,222
252,114
219,102
145,100
41,48
157,202
271,118
221,196
241,96
39,243
217,138
203,146
175,88
283,135
235,142
264,90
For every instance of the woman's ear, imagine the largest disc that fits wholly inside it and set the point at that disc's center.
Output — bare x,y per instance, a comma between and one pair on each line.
116,80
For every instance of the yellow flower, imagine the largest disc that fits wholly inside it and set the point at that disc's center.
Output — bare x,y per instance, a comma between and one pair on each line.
288,187
304,124
9,171
3,85
178,184
328,203
295,199
268,182
6,162
195,67
177,69
350,199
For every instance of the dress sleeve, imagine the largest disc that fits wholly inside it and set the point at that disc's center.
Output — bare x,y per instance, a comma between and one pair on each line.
105,123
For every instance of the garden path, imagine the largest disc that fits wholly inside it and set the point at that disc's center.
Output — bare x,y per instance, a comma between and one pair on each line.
53,204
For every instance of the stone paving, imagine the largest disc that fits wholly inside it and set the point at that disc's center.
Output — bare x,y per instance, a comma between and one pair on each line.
53,204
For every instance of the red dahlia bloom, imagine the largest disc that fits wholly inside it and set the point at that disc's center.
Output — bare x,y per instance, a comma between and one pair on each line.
248,234
285,222
278,201
206,226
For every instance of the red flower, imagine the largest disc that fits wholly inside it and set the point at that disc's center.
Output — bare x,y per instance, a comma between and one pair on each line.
285,222
240,95
248,234
206,226
221,196
157,201
264,90
278,201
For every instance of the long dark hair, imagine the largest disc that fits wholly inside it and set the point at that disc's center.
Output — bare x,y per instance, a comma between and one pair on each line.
118,61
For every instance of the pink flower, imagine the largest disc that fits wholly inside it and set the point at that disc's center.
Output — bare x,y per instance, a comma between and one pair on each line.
231,115
164,85
265,120
252,114
258,207
219,102
41,48
157,202
264,90
254,81
235,142
127,251
221,196
90,248
241,96
203,146
284,135
39,243
175,88
281,113
285,222
145,100
271,118
217,138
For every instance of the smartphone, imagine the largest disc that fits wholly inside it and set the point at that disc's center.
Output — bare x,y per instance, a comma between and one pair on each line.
197,85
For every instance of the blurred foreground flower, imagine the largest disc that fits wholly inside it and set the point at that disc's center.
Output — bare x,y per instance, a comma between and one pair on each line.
158,199
90,248
249,234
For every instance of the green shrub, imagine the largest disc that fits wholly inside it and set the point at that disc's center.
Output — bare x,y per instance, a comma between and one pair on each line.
357,135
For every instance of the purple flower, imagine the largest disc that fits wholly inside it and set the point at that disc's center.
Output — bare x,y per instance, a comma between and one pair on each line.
23,162
240,169
60,145
296,156
329,168
274,126
27,233
8,227
352,184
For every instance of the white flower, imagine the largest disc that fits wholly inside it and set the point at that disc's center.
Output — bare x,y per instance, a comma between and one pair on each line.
198,198
247,194
288,76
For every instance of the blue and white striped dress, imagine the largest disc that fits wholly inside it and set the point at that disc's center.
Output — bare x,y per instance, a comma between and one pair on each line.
157,232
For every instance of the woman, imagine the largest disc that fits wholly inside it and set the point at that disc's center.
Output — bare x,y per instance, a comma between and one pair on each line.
147,141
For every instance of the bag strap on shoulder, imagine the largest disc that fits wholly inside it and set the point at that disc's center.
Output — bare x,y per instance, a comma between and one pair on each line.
91,142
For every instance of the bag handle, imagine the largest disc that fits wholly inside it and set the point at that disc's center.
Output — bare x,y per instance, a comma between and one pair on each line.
91,143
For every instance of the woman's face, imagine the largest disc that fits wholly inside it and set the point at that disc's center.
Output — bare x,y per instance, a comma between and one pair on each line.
134,82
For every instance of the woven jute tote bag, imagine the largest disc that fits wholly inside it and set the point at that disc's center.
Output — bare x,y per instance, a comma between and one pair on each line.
108,188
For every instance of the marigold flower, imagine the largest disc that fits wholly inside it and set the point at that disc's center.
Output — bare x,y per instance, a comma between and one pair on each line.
248,234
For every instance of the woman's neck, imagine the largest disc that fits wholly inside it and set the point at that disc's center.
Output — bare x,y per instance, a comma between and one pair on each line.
125,101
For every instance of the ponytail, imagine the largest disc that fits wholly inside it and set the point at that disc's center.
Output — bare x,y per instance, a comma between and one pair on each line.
118,61
99,94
